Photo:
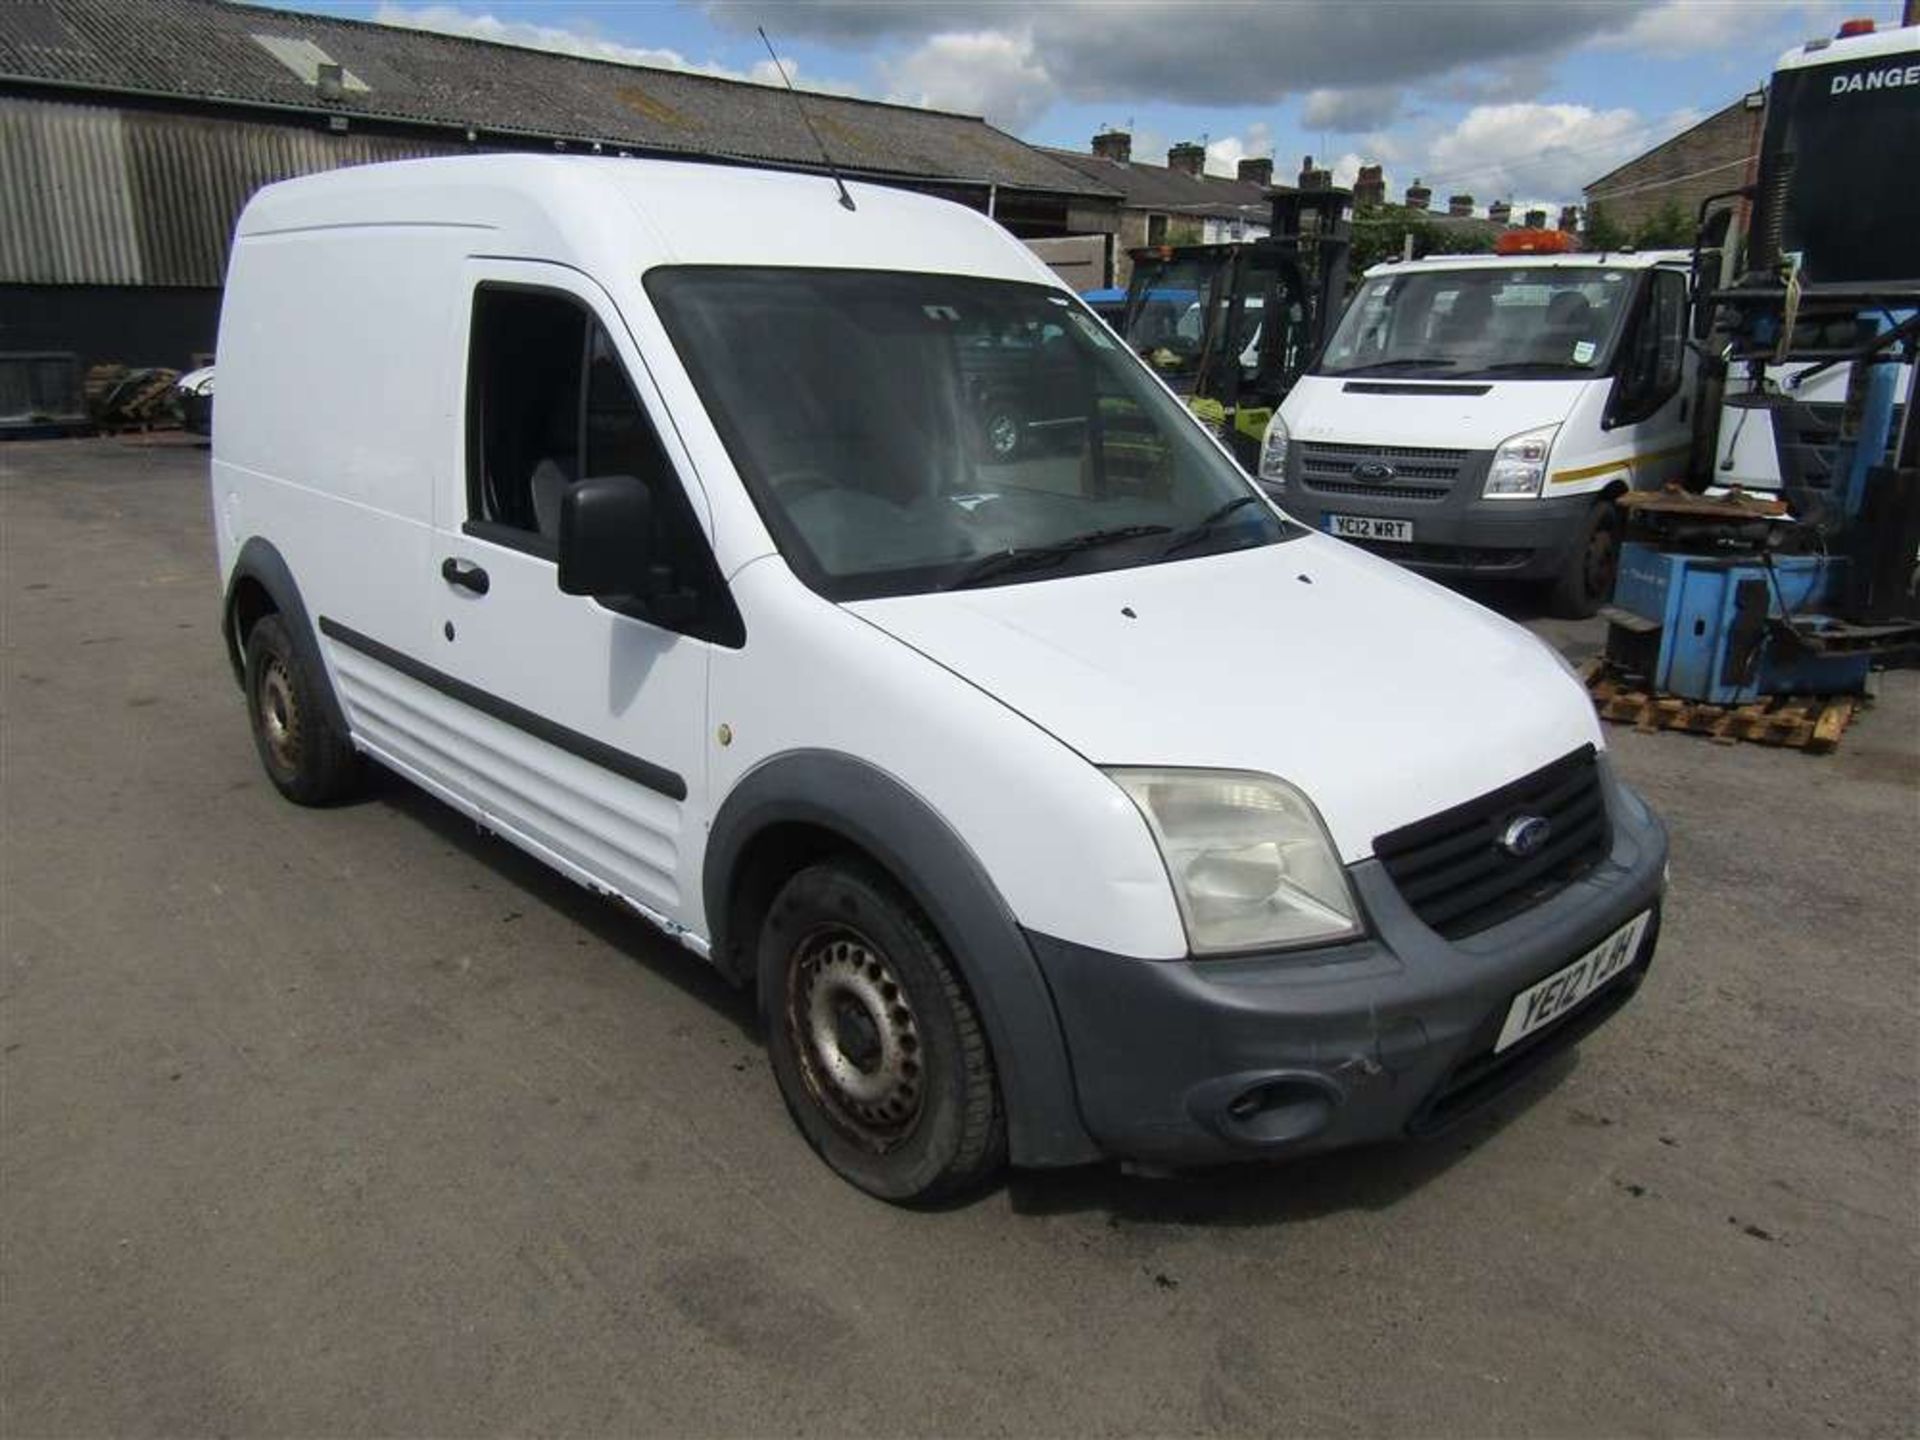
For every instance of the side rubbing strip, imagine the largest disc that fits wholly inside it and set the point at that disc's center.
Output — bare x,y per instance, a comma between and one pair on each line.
595,752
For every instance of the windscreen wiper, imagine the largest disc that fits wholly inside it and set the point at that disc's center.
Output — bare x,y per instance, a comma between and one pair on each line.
1035,557
1205,525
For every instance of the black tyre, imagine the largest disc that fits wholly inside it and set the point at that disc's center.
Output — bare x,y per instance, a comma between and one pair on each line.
305,755
875,1044
1002,431
1586,582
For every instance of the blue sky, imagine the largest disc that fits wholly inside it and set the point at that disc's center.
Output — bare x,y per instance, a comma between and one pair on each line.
1517,99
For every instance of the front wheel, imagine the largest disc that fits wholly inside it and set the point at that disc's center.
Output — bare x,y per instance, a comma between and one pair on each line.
878,1051
1586,579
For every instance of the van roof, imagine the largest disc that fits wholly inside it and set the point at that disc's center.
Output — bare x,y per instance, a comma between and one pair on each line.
612,215
1573,260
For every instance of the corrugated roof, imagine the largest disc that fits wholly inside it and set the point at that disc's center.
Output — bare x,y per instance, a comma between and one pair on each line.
206,51
1159,187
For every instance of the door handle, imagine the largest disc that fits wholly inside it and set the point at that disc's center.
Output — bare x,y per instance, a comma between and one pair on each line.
465,574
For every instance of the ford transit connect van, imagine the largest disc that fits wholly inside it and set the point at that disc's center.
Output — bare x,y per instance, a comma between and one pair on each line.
1061,803
1478,415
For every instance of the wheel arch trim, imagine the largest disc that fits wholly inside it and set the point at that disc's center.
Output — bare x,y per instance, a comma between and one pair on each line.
878,815
262,563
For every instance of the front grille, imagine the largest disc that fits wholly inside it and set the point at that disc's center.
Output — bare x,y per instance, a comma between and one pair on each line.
1452,871
1418,473
1389,490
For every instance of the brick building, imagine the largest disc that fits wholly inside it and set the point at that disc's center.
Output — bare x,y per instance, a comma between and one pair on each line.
1717,154
1177,203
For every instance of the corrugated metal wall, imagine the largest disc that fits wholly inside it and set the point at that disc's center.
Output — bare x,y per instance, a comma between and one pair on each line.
100,196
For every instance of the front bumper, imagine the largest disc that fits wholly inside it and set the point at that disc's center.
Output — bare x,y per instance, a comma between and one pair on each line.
1460,534
1193,1062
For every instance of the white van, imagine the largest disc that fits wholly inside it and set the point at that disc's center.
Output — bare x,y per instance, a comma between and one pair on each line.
1068,805
1479,415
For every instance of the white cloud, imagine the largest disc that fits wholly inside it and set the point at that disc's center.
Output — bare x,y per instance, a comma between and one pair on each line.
1217,54
1535,149
1361,107
987,72
482,25
1225,154
1680,27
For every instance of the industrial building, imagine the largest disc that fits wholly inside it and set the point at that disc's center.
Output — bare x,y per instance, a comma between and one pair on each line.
1177,203
133,131
1709,158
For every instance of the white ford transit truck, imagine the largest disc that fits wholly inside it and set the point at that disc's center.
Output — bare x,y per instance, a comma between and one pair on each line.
1478,415
1063,804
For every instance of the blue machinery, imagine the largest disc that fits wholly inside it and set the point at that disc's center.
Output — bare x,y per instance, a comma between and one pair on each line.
1731,600
1735,598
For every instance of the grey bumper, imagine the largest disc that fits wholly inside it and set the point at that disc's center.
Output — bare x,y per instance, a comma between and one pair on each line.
1191,1062
1458,534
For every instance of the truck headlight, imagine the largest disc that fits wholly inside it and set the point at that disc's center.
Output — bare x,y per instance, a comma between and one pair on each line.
1251,863
1519,466
1273,452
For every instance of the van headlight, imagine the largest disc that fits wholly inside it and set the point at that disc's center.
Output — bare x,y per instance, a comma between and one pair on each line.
1251,863
1273,451
1519,466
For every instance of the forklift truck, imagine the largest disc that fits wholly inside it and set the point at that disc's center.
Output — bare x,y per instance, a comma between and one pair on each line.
1230,327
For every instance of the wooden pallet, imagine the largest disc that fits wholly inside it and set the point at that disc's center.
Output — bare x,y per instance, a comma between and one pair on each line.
1813,723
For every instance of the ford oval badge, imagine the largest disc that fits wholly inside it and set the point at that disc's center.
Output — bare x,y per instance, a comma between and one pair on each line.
1526,835
1376,471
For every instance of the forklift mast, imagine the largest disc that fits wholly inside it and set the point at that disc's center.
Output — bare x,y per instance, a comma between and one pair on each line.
1231,326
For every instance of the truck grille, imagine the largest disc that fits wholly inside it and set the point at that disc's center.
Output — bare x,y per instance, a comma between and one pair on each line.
1418,474
1451,870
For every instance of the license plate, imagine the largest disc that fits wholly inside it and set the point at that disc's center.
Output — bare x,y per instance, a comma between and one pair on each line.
1540,1005
1366,527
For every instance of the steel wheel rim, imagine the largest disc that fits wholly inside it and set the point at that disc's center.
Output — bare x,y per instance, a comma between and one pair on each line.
1003,433
279,715
855,1035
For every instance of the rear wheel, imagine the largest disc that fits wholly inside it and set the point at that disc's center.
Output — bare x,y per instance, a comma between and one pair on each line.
307,758
876,1046
1592,564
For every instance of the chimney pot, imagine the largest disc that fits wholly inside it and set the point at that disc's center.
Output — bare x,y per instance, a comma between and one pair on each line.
1188,158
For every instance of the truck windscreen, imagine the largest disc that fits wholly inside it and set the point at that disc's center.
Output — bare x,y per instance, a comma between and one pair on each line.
1837,168
1525,321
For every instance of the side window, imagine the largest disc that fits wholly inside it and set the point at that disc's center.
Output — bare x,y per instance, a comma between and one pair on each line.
523,407
549,404
1670,317
1650,364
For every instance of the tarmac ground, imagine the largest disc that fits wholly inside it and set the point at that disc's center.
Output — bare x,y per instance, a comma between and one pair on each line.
359,1122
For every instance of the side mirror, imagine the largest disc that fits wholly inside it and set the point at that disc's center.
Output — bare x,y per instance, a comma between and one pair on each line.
606,537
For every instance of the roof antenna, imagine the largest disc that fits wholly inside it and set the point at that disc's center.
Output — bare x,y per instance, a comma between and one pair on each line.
846,200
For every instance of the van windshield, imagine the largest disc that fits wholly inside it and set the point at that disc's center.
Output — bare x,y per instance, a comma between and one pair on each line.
903,433
1527,322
